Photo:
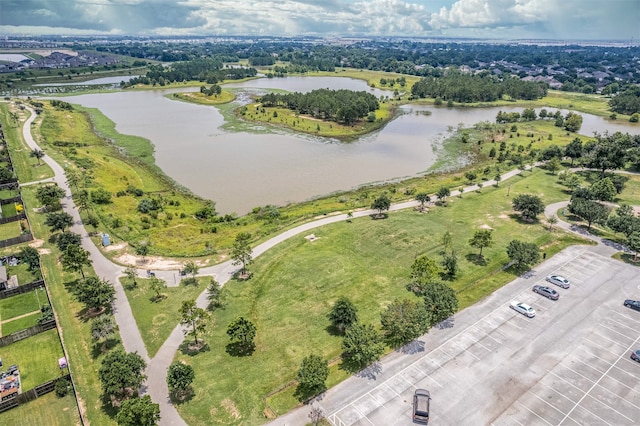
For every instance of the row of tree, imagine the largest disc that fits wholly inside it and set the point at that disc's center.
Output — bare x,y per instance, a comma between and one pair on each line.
463,87
345,106
571,122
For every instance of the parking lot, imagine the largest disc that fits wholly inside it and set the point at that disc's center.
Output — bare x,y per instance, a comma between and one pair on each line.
569,365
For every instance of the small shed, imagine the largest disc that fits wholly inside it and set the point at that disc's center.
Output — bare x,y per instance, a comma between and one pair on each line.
106,240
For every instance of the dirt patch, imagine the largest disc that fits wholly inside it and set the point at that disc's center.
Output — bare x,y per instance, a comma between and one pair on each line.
503,216
231,408
36,243
485,226
44,251
114,247
149,262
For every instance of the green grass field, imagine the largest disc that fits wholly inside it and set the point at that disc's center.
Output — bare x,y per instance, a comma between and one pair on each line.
20,324
202,99
36,356
47,410
295,284
10,230
157,319
21,304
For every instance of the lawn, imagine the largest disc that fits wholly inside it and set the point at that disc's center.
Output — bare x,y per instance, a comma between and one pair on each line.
47,410
9,210
10,230
37,357
157,319
25,166
21,304
8,193
25,276
202,99
295,284
20,324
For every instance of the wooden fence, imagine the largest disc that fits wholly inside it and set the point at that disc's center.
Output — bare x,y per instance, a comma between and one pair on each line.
21,289
16,240
31,394
27,332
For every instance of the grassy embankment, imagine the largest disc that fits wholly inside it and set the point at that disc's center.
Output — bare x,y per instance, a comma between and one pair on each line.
295,284
84,358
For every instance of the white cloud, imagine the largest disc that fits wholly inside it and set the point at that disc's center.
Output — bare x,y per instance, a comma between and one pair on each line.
485,13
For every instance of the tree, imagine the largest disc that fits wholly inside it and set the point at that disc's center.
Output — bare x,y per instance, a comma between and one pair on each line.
553,165
481,239
103,327
608,152
403,321
95,293
242,332
552,220
498,178
590,211
241,252
131,273
121,373
157,285
214,294
423,198
101,196
67,239
311,377
362,345
573,122
634,244
58,221
442,194
179,378
573,150
424,270
529,114
92,220
522,253
37,154
528,205
316,415
74,258
450,263
190,268
343,314
624,221
603,190
30,256
49,196
142,250
194,318
138,412
440,302
382,203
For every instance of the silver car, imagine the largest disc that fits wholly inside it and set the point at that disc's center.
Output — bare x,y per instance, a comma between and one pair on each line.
558,280
523,308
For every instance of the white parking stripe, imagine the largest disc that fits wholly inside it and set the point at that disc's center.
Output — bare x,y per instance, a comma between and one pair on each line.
596,383
533,412
617,332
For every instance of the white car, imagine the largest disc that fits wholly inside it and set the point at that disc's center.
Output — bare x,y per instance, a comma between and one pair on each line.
558,280
523,308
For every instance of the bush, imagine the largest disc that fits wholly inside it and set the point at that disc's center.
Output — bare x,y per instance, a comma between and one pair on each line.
62,388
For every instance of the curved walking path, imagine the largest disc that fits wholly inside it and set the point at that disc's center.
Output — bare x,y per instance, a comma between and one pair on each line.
132,341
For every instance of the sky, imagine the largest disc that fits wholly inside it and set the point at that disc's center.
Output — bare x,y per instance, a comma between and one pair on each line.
497,19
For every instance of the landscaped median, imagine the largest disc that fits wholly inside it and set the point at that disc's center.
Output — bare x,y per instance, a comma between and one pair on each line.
368,261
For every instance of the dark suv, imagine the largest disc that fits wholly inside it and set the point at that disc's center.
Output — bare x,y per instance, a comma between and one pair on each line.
421,399
633,304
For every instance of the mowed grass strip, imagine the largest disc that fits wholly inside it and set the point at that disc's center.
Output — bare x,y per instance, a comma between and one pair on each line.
19,324
157,319
295,284
21,304
47,410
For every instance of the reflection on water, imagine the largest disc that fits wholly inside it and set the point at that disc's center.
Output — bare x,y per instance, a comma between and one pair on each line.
243,170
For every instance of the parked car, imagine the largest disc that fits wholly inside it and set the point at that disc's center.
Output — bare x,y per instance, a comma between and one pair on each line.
523,308
633,304
635,355
421,399
558,280
545,291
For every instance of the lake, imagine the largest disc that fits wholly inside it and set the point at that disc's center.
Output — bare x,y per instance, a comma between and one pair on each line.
242,170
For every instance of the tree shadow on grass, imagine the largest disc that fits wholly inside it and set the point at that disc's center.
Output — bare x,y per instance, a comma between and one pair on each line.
376,216
157,298
334,331
239,349
191,349
102,347
476,259
518,218
180,397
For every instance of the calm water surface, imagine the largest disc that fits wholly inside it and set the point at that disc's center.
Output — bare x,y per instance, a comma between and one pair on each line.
242,170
